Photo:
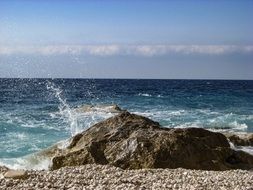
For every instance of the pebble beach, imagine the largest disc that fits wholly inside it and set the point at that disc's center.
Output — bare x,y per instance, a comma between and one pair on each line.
92,176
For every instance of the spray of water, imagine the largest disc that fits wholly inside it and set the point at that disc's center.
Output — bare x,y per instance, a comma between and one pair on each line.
64,109
78,119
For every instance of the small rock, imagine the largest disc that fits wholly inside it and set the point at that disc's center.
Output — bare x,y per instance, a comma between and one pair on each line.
16,174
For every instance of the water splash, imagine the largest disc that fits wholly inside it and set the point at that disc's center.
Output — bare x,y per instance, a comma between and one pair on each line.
29,162
248,149
64,109
76,118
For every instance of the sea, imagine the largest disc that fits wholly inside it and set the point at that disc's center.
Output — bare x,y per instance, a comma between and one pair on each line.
37,113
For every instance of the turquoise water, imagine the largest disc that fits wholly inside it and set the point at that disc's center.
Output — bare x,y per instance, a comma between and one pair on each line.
36,113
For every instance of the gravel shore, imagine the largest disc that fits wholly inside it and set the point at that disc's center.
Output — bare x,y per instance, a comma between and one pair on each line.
93,176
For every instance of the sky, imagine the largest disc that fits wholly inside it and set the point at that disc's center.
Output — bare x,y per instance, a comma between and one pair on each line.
172,39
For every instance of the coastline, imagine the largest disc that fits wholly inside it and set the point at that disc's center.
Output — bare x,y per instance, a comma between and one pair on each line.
92,176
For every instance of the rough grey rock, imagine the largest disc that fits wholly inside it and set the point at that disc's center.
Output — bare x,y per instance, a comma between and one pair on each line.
131,141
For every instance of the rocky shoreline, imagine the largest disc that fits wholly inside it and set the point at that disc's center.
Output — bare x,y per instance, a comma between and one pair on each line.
131,141
129,151
110,177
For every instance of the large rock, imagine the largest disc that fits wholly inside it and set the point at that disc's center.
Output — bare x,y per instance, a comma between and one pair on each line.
130,141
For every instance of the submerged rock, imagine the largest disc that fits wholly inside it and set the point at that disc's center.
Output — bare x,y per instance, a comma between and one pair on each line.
131,141
104,108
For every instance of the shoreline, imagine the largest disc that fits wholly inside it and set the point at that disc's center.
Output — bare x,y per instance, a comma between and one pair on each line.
238,145
238,141
93,176
84,163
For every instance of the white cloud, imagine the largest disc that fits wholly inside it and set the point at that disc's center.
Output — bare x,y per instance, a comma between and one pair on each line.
114,49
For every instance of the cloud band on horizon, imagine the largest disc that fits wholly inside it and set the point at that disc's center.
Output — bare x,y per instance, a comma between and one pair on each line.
115,49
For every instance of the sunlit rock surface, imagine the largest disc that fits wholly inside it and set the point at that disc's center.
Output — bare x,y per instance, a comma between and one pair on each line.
131,141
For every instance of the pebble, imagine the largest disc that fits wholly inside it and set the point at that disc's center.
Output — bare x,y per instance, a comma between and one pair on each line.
94,176
16,174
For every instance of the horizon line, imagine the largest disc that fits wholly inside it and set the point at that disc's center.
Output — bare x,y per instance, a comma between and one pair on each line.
79,78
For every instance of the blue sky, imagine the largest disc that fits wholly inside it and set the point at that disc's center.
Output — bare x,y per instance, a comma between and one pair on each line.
126,39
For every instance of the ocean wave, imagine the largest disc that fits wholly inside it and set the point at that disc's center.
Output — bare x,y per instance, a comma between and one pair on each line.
176,113
82,117
29,162
238,126
63,144
229,127
188,113
207,112
164,114
17,135
205,118
248,117
189,125
248,149
100,108
228,121
35,161
85,118
145,94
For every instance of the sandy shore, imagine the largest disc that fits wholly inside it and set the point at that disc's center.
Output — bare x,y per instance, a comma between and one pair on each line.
108,177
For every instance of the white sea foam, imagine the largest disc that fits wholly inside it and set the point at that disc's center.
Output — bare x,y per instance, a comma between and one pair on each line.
63,144
207,112
161,114
204,118
176,113
29,162
83,120
34,161
19,136
248,117
144,94
248,149
189,125
64,108
78,120
229,127
238,126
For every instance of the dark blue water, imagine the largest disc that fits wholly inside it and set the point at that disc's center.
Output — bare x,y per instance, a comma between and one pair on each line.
36,113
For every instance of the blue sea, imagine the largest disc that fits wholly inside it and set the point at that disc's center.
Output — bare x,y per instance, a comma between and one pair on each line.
37,113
